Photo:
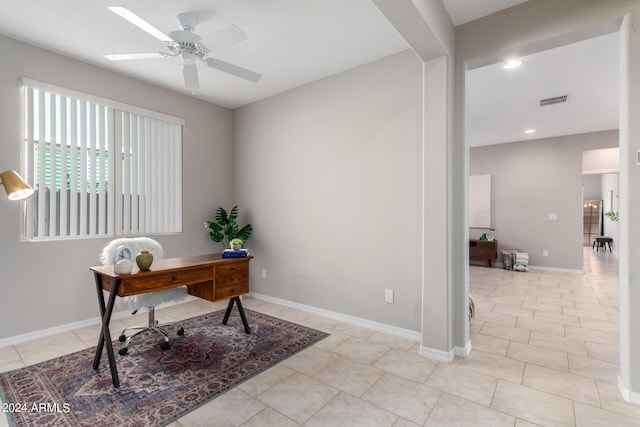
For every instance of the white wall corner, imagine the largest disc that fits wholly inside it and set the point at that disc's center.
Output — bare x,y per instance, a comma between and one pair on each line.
463,351
630,396
438,355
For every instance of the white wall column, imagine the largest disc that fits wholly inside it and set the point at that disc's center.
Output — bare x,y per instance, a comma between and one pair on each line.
629,379
437,296
429,31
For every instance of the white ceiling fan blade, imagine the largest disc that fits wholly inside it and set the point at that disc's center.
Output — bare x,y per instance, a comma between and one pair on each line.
235,70
129,56
140,23
225,37
190,74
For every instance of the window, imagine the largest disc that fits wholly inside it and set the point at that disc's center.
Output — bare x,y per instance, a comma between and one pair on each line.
98,168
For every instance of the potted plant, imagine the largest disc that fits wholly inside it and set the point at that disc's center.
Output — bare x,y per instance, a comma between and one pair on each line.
225,228
236,244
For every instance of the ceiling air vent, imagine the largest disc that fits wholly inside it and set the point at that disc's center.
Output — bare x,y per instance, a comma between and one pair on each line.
554,100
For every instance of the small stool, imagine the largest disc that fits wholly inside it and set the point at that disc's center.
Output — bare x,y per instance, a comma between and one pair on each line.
601,242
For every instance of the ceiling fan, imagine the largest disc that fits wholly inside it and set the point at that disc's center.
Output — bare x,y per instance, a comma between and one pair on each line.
185,44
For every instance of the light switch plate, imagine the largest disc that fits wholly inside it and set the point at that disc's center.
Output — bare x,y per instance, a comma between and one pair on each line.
553,217
388,296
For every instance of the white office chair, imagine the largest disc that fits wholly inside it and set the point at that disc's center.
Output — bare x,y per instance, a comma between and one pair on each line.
128,248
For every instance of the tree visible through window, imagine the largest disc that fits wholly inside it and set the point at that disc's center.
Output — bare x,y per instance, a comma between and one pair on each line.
64,181
98,169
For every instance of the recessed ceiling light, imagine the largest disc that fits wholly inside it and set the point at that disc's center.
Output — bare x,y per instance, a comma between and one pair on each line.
528,131
512,63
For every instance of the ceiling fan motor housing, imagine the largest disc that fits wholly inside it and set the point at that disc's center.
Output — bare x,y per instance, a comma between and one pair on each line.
184,41
187,22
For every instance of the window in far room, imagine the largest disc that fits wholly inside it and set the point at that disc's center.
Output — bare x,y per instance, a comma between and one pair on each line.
99,168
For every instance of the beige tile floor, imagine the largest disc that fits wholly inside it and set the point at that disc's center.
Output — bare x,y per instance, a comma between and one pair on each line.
545,352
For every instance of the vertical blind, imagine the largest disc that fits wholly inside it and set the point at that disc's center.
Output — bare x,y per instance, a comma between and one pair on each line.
98,167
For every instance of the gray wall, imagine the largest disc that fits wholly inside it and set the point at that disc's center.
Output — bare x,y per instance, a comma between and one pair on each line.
591,187
329,175
532,179
46,284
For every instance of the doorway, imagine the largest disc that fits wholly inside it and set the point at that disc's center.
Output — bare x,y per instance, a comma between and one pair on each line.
591,220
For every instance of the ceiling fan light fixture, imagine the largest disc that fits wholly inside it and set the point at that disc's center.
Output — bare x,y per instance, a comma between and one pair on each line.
190,74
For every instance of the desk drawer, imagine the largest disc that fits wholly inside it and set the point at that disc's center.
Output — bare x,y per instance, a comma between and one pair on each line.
232,274
135,285
231,291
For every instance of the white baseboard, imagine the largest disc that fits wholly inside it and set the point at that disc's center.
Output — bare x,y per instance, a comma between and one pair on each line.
382,327
393,330
18,339
630,396
437,355
557,270
537,267
463,351
434,354
445,356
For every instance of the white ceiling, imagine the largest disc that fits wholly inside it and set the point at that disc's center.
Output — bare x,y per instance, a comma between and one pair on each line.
462,11
295,42
502,104
289,42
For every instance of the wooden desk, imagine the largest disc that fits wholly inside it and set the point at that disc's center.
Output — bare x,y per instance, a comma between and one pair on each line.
483,250
207,276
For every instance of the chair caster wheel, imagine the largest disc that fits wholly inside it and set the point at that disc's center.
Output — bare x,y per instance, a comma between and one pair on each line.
181,331
122,338
165,346
123,351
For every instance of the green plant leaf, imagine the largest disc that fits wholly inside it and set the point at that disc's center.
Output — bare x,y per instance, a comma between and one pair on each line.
612,215
216,236
213,226
231,230
244,232
221,216
233,215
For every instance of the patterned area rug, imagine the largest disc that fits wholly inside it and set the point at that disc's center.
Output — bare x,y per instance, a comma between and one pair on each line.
156,386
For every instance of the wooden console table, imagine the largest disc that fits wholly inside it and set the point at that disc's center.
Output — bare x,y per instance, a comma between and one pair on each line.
483,250
207,276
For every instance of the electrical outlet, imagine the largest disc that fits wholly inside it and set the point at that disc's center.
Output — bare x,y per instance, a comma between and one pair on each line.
264,273
388,296
545,253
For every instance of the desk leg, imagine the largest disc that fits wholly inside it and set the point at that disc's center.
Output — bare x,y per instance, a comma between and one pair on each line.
105,335
240,309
